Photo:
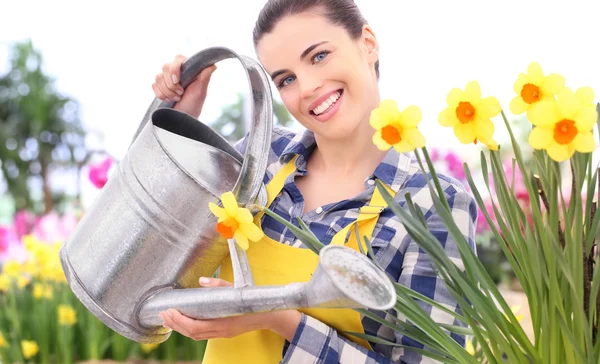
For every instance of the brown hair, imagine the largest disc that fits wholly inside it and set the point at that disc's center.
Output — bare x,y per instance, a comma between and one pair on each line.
344,13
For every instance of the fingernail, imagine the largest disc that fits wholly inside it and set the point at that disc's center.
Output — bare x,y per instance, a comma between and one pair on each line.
179,92
204,281
176,98
174,78
165,326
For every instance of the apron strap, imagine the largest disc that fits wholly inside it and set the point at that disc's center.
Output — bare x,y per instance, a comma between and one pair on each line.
366,221
275,185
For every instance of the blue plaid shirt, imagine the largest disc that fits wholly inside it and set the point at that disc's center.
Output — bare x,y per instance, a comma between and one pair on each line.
314,341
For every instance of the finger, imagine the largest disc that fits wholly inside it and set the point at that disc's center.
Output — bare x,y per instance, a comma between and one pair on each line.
162,79
158,92
190,327
174,75
175,68
214,282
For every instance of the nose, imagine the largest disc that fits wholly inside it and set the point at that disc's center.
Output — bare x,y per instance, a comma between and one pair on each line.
309,84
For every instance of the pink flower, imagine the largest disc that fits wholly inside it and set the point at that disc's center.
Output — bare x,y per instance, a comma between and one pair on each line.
455,166
24,222
482,224
51,228
98,173
8,242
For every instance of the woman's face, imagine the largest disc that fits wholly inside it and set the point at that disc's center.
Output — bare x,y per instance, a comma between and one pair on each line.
326,79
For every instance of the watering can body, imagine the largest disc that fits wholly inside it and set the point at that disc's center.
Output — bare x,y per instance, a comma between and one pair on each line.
150,229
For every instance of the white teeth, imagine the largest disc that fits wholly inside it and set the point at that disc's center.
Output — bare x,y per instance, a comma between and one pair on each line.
327,103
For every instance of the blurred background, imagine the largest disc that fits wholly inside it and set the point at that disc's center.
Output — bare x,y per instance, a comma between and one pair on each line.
75,82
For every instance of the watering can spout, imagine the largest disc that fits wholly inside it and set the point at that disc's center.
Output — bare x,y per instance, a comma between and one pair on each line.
343,278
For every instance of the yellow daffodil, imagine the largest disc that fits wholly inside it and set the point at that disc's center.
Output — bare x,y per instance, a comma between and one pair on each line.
235,222
12,268
533,87
146,348
565,125
66,315
395,128
42,291
29,348
470,115
23,281
3,342
38,291
5,283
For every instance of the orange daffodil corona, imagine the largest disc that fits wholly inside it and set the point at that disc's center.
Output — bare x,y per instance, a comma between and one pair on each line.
565,125
235,222
395,128
470,115
533,88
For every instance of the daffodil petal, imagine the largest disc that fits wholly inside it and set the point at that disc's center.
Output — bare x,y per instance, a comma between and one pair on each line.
553,84
389,106
586,118
244,216
488,107
455,96
560,152
465,132
414,137
540,137
535,73
584,142
518,105
251,231
543,113
585,95
448,117
410,117
378,119
216,210
568,103
473,92
521,81
241,239
229,203
404,146
489,142
379,142
484,127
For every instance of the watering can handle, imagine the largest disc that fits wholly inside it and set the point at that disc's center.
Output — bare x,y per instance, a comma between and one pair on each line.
254,166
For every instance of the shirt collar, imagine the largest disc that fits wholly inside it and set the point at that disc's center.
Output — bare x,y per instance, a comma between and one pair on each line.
392,171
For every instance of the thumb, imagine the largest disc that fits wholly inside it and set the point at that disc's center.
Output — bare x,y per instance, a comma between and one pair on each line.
214,282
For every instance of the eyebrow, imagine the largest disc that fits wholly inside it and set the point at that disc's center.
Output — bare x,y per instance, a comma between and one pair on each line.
302,56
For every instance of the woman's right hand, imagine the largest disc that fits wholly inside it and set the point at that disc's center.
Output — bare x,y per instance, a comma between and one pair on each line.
166,87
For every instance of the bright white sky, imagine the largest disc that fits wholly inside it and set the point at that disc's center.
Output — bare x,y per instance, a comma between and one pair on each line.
106,55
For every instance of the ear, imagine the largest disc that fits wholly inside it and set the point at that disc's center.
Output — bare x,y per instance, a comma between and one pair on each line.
370,44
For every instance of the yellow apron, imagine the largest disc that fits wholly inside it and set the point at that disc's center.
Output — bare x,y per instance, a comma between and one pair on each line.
273,263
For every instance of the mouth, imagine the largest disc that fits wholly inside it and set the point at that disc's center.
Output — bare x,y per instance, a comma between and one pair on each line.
328,104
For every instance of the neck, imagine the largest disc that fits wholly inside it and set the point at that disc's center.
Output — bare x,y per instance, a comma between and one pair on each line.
353,157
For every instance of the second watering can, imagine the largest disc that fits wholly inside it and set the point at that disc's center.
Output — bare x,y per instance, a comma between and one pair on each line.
149,235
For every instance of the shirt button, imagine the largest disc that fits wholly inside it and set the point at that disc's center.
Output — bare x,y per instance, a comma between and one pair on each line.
319,210
371,182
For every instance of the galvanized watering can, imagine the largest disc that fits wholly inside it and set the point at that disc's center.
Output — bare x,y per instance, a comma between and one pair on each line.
149,235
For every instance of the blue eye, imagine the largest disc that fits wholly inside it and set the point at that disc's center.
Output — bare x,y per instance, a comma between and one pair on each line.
320,56
286,81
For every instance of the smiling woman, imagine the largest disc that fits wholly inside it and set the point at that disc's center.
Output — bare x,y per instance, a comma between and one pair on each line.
323,57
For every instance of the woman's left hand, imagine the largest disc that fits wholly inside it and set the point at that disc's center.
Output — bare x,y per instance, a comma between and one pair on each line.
283,323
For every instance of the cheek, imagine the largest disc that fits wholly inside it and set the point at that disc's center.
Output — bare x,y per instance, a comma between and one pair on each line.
290,100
